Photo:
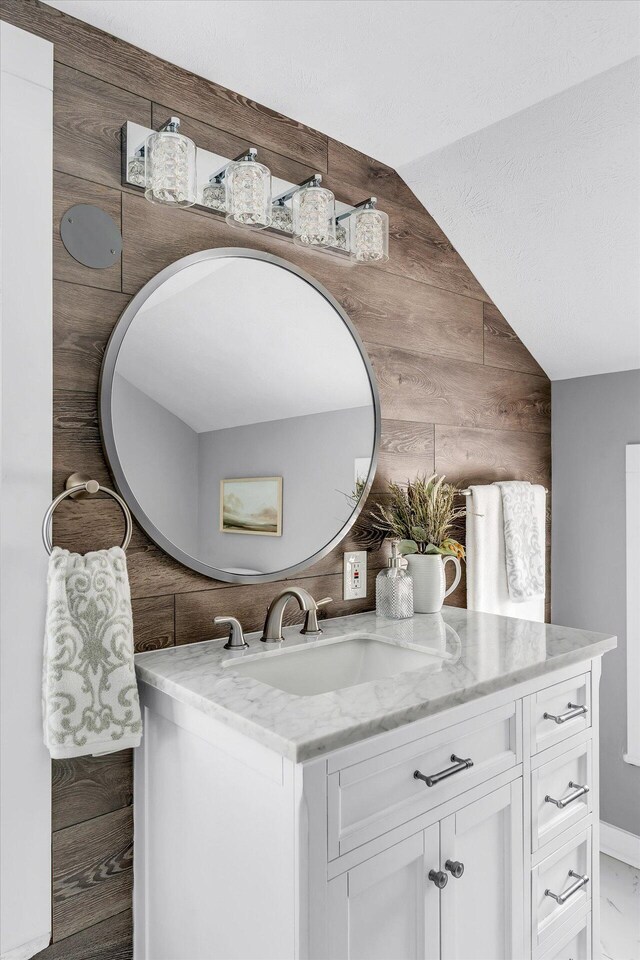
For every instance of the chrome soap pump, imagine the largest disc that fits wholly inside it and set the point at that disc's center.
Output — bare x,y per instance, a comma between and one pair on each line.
394,589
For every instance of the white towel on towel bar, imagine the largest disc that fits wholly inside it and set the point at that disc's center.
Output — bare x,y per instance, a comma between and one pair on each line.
523,540
89,691
487,584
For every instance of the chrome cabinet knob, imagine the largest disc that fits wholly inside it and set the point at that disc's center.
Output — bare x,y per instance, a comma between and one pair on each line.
455,868
438,877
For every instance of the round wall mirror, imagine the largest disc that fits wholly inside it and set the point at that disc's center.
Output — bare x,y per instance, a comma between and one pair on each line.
239,415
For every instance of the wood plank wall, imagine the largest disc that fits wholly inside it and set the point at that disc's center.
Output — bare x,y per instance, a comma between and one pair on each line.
460,393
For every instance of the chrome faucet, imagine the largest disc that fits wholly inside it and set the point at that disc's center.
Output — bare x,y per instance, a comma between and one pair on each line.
236,639
272,632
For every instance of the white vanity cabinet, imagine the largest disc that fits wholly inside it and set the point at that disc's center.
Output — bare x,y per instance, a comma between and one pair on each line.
392,906
244,852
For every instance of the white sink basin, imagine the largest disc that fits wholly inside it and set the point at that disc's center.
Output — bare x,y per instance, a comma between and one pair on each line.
306,671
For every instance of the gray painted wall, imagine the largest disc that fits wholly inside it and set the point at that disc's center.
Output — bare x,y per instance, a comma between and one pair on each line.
159,455
305,452
593,420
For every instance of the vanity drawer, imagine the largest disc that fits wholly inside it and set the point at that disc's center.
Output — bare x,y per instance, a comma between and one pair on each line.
560,712
369,798
560,793
560,888
574,944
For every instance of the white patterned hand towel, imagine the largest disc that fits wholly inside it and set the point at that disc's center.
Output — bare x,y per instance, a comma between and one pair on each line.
487,586
90,696
523,523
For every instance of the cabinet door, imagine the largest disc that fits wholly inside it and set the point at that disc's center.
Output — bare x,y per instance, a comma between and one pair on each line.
386,908
482,910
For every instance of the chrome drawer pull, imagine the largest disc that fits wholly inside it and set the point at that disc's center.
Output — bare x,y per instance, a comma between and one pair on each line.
575,710
458,766
561,898
579,792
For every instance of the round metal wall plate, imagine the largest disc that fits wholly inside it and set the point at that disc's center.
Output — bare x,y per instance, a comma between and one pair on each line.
91,236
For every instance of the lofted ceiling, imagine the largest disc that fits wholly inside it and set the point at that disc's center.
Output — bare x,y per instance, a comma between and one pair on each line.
514,121
545,208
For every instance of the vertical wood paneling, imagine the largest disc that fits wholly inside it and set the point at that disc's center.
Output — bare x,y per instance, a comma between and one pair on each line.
460,392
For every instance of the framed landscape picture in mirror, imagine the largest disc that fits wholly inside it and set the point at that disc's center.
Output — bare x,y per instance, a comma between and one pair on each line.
251,505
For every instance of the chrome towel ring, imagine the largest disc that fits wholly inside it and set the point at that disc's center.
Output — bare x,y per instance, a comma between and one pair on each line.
78,486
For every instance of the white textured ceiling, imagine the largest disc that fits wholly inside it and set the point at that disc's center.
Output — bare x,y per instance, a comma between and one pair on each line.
551,239
545,208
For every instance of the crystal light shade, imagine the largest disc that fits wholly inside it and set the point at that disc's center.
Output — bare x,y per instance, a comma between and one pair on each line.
313,210
341,237
248,194
369,235
213,196
136,171
281,217
170,168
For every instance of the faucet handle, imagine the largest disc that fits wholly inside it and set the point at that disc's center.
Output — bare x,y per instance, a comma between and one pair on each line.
236,639
311,625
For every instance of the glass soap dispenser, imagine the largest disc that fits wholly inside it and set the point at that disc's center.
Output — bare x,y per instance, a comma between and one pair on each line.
394,589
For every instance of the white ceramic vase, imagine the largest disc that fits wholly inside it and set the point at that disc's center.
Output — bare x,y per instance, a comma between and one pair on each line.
429,584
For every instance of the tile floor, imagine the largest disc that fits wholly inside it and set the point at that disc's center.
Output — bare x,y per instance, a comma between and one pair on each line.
619,910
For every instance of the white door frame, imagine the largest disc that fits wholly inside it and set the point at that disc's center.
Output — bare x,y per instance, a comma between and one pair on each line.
26,121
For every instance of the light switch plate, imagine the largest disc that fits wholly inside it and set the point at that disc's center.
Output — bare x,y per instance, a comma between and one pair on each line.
355,574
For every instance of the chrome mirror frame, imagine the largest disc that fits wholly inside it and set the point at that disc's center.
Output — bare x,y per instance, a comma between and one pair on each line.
107,432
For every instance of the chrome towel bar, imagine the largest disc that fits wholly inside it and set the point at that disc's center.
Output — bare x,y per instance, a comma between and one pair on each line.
467,492
79,486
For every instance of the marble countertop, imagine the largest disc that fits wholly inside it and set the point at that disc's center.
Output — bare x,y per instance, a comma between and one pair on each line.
474,654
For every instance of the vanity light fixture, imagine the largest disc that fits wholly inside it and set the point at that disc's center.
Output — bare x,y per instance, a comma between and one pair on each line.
170,166
369,232
163,164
